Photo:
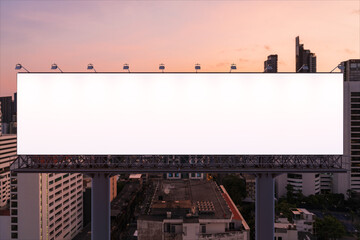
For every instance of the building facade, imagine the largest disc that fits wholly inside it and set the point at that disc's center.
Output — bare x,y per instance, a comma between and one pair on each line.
46,206
7,156
304,57
271,64
306,183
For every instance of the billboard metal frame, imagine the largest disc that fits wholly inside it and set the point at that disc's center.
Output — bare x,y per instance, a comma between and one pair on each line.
88,164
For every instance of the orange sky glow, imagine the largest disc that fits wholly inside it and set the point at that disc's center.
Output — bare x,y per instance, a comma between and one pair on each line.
176,33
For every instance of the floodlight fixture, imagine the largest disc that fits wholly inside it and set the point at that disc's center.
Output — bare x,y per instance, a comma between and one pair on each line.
339,66
19,66
126,67
268,68
162,67
90,67
54,66
197,67
303,67
233,67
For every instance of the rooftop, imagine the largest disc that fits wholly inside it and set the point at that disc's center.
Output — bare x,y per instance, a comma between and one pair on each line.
191,198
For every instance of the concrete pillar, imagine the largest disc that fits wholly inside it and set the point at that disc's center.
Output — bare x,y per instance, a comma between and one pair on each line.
100,207
264,207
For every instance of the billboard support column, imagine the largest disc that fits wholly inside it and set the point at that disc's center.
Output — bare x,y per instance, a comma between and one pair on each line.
100,207
264,206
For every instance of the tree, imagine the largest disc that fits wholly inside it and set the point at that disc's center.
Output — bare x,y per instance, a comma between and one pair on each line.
329,228
285,208
236,187
290,196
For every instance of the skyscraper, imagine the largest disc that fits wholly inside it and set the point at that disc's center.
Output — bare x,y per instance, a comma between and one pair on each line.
270,65
305,59
46,206
0,120
351,70
6,109
7,156
351,179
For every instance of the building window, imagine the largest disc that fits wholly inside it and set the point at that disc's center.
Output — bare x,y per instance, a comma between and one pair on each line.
203,228
14,235
231,226
167,227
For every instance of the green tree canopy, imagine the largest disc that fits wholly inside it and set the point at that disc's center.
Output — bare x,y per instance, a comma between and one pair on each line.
329,228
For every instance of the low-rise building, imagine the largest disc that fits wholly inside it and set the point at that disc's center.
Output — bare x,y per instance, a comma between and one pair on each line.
304,220
285,231
188,209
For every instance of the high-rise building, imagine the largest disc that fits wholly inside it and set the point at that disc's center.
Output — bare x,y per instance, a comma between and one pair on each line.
306,183
6,108
46,206
351,70
7,156
270,65
0,120
342,182
305,59
15,104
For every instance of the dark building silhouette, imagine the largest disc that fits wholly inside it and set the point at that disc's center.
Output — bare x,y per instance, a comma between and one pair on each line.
305,59
351,70
270,65
6,109
15,103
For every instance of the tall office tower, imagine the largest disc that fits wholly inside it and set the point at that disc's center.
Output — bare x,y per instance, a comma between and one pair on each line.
7,156
306,183
46,206
304,57
270,65
15,104
351,70
6,108
351,179
0,120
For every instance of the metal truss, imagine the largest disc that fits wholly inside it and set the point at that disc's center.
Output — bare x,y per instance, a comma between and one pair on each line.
178,163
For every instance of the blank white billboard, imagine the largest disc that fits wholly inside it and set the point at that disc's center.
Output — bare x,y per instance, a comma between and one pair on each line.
180,113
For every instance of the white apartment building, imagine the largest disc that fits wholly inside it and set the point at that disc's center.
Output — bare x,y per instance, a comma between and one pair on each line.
285,231
7,156
307,183
46,206
304,220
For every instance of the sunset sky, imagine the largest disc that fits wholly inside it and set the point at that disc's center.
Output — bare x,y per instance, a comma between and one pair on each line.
176,33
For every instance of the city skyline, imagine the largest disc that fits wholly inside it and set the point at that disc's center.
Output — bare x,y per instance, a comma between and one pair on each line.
178,34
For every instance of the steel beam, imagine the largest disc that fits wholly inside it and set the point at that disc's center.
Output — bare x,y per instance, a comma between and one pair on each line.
162,164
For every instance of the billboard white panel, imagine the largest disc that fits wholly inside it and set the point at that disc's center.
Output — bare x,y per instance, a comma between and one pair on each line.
180,113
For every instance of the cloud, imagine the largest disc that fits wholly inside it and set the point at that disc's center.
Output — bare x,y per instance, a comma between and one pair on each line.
349,51
356,11
267,47
222,64
243,60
